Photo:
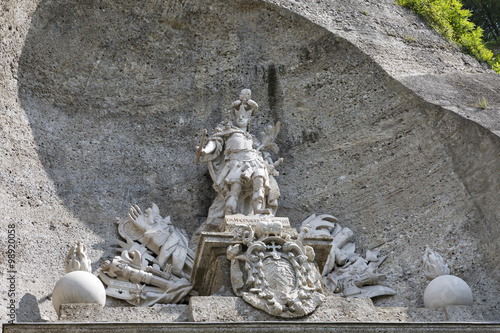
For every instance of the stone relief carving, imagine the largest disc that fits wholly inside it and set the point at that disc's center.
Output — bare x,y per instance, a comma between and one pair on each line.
347,273
434,264
443,289
241,167
79,285
273,272
270,270
77,259
155,262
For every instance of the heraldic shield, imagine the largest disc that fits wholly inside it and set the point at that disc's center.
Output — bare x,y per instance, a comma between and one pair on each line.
273,273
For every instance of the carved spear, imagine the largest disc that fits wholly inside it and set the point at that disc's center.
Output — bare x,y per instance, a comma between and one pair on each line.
200,147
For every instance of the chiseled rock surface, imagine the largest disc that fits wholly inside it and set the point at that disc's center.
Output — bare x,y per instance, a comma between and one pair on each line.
416,56
103,103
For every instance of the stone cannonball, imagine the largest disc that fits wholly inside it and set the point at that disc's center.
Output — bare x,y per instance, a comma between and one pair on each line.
447,290
78,287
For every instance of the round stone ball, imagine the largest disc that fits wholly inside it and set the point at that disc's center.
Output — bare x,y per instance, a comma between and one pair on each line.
78,287
447,290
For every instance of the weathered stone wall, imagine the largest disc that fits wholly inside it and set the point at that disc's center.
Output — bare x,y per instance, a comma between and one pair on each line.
103,103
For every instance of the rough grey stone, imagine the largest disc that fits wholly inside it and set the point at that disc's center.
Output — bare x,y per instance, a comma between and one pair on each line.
231,309
451,314
103,102
253,327
334,309
94,313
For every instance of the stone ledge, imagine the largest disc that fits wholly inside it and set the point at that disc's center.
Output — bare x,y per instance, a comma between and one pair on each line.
235,309
95,313
276,327
334,309
451,314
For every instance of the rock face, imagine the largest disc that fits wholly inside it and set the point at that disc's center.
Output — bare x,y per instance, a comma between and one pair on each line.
103,103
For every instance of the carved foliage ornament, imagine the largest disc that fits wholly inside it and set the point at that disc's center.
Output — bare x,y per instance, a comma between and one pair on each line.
273,273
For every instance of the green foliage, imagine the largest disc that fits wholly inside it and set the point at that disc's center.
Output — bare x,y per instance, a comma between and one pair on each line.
448,18
495,44
482,104
486,14
410,38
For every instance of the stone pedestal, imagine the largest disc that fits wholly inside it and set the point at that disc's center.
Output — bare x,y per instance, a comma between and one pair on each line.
207,276
235,309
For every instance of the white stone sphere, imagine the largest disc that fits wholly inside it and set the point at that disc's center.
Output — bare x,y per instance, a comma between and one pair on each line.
447,290
78,287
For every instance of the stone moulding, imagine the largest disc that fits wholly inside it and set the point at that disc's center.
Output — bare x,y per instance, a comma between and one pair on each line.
238,327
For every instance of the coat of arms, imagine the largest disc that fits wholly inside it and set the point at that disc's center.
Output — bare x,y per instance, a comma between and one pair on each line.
274,273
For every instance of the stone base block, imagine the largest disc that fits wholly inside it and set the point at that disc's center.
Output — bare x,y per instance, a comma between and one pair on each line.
451,314
334,309
235,309
85,313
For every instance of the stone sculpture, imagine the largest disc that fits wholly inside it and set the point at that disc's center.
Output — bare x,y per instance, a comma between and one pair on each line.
241,167
77,259
444,289
434,264
79,285
273,272
155,262
347,273
270,269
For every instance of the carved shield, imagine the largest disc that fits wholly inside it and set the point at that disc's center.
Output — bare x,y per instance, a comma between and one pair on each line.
279,274
276,276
